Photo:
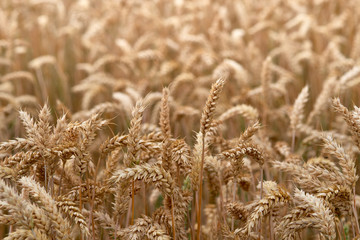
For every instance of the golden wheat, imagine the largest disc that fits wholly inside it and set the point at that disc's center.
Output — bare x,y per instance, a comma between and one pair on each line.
187,119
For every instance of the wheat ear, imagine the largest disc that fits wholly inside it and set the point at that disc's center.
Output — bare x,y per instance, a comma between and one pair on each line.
205,124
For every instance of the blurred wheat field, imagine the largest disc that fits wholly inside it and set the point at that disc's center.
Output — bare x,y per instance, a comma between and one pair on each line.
184,119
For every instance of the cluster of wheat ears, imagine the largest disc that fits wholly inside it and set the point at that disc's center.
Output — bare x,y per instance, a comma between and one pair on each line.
184,119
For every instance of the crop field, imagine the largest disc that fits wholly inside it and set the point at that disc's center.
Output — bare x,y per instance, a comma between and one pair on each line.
179,119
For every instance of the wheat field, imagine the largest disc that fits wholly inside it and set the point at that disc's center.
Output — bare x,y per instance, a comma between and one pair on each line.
183,119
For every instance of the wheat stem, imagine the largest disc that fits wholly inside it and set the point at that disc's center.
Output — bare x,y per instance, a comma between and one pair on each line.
132,202
173,217
200,187
355,213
